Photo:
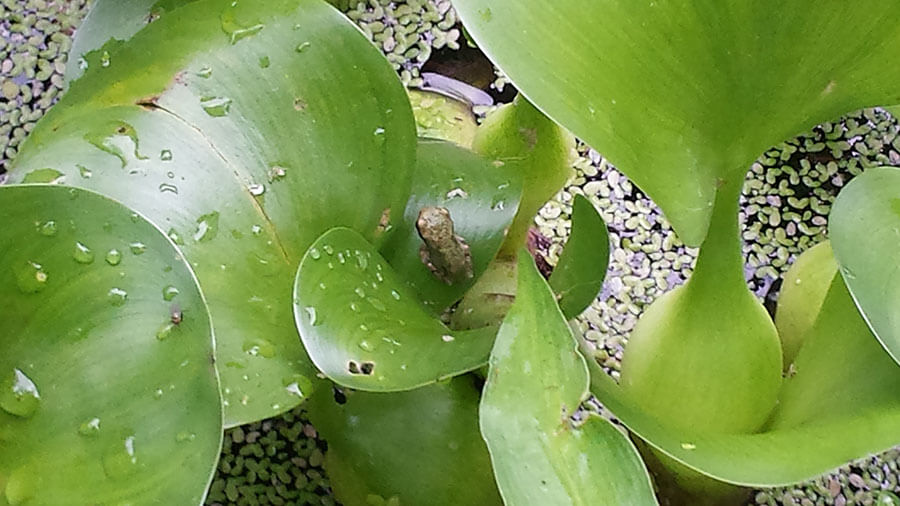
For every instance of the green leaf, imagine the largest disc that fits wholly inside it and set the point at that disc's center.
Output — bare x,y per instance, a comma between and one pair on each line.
579,274
442,117
482,200
678,95
844,384
103,399
244,130
109,21
865,233
519,137
803,291
417,447
365,329
537,380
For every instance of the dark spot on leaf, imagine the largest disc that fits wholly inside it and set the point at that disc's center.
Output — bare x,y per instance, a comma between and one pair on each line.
367,368
339,396
353,367
299,104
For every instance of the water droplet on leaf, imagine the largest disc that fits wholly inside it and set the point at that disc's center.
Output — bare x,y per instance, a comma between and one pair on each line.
83,254
49,229
90,428
19,395
207,227
116,296
30,277
113,257
121,460
216,106
168,188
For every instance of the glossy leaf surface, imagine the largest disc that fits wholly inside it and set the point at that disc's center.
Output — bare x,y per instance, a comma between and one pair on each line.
417,447
678,95
844,384
865,234
537,380
482,200
212,123
365,329
115,20
579,274
103,399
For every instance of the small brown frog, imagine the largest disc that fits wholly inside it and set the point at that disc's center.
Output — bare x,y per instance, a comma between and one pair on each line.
445,254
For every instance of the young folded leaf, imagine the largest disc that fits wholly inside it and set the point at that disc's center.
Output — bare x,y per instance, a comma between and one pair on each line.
537,381
366,329
104,397
581,269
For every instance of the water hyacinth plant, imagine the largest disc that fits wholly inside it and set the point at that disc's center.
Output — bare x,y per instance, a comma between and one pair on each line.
216,233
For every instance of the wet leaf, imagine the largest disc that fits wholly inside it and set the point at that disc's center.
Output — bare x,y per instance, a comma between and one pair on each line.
109,21
365,329
677,96
865,233
211,123
537,380
420,447
482,200
94,374
579,274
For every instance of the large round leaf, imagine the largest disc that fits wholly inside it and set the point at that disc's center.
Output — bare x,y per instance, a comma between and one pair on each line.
482,200
104,398
365,329
536,382
245,130
679,94
417,447
845,384
865,233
